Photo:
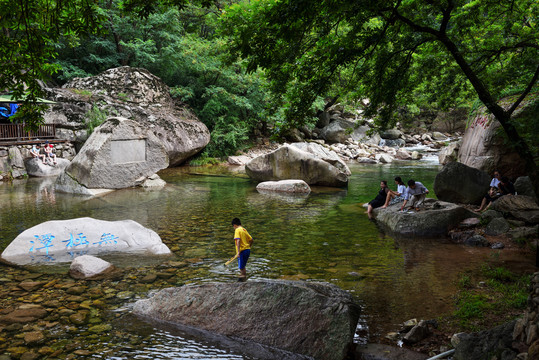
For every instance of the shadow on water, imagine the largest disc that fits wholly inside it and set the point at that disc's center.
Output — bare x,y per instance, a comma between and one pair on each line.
325,236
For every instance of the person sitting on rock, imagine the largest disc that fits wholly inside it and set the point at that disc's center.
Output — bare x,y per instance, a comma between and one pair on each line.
379,200
394,197
415,193
496,179
506,187
35,152
51,156
493,194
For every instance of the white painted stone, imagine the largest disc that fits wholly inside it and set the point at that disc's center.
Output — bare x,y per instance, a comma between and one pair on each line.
88,265
63,240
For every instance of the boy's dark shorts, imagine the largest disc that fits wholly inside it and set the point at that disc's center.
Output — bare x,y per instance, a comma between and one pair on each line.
242,260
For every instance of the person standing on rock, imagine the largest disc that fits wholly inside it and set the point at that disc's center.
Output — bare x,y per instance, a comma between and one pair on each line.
394,197
415,193
243,242
379,200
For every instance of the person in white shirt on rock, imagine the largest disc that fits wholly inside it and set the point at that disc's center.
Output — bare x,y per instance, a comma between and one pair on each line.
415,193
394,197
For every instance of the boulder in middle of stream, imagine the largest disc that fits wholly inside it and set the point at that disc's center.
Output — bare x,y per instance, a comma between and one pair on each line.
309,318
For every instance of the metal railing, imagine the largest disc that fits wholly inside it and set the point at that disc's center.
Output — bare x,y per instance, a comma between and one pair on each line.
16,133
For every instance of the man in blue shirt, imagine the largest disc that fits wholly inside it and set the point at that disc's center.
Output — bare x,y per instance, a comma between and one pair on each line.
415,193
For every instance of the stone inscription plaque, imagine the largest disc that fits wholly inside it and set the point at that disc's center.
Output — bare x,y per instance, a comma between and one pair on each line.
127,151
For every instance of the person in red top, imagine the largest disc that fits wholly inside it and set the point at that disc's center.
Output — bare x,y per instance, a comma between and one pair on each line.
243,242
49,152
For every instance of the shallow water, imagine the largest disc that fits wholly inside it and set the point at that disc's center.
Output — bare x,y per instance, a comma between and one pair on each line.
325,236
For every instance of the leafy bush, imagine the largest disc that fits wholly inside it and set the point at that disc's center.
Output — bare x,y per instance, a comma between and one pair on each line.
94,118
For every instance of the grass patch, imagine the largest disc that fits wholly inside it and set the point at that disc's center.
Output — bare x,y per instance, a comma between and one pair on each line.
203,160
491,297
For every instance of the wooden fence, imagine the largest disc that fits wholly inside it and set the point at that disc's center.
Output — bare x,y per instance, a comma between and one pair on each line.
16,133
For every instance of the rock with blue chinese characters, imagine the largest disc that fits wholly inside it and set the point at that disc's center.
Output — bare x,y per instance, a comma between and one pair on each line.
64,240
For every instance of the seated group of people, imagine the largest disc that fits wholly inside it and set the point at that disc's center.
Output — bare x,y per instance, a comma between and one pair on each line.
499,186
415,194
48,157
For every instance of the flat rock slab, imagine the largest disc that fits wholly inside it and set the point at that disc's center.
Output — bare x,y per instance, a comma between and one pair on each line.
63,240
35,167
387,352
284,186
313,319
435,218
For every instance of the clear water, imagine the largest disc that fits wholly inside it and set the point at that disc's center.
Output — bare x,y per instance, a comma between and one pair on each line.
325,236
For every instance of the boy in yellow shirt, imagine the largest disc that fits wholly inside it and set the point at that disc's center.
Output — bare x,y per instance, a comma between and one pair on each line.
243,242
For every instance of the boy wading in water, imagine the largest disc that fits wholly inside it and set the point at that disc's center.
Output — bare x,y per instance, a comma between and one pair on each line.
243,243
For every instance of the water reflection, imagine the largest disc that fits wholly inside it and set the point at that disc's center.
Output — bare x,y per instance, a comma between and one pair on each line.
325,236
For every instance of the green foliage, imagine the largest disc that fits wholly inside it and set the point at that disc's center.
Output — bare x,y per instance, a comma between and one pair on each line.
502,292
394,53
471,307
30,30
94,118
182,49
465,281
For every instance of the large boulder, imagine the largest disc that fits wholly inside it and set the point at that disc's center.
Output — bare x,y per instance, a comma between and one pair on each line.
521,207
484,147
449,153
341,130
314,319
462,184
436,218
132,93
483,344
63,240
524,186
119,154
323,153
37,168
391,134
288,162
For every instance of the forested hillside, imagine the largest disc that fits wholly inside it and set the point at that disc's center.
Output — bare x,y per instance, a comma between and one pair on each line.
246,66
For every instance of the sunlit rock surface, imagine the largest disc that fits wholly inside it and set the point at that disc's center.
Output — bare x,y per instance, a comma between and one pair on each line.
289,162
63,240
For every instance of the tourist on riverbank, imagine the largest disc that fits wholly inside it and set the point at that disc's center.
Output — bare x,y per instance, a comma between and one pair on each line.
496,179
506,187
379,200
488,198
36,153
51,156
493,194
394,197
243,242
415,193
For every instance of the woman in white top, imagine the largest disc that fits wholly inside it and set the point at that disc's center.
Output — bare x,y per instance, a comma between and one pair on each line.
394,197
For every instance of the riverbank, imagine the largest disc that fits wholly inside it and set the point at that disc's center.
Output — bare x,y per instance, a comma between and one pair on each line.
329,238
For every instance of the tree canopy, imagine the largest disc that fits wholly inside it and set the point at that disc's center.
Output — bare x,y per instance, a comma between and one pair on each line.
386,50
